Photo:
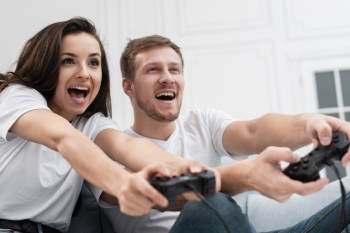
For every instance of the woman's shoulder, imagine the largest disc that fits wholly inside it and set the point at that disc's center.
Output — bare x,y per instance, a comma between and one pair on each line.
15,88
17,93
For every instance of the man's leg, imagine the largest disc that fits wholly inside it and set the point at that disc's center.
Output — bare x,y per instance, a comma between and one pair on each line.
198,217
325,221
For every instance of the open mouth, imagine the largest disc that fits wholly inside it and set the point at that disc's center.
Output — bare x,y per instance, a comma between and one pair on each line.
78,92
165,96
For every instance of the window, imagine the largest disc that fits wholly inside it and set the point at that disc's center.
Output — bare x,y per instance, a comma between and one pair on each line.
333,96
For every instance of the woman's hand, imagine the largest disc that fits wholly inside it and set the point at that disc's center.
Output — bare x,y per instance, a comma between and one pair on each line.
135,194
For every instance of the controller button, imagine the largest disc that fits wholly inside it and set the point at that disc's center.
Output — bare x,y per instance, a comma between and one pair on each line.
310,153
182,174
296,167
335,136
304,166
305,160
336,140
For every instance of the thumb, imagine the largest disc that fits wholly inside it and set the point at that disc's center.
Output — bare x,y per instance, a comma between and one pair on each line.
195,167
275,154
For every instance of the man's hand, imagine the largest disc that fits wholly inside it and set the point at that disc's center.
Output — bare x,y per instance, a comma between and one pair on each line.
320,128
265,175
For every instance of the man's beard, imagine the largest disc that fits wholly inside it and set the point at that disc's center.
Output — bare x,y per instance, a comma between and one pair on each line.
152,112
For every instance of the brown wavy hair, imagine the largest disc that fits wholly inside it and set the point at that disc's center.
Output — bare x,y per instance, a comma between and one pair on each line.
128,63
38,63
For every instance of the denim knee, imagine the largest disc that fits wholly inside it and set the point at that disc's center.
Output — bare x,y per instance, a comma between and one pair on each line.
198,217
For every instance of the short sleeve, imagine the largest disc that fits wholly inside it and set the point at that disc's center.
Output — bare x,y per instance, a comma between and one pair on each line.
16,100
217,122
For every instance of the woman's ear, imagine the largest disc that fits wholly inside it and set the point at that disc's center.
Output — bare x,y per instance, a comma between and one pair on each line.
128,87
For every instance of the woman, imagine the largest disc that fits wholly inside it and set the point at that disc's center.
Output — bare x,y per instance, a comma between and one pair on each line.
52,108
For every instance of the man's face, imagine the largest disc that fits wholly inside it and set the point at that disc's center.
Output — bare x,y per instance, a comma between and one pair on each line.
158,84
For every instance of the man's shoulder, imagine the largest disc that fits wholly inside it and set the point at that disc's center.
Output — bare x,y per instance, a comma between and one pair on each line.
198,113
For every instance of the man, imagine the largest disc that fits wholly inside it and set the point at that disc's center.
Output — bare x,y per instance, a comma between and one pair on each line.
152,69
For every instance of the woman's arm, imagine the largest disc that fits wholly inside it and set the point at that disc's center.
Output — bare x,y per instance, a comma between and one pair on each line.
53,131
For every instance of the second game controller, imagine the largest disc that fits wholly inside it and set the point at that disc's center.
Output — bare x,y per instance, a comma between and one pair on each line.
307,169
203,182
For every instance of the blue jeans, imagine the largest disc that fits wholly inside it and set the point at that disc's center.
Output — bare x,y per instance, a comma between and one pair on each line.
197,217
325,220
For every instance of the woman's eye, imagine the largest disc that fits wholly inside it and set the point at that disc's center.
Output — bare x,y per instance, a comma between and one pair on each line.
94,63
68,61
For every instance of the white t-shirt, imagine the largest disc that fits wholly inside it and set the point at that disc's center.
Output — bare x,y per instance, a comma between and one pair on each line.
37,183
197,136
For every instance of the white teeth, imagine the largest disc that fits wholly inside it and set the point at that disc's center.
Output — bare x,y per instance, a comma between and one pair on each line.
80,88
165,94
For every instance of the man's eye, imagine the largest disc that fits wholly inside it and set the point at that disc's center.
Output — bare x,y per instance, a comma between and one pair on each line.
68,61
94,63
175,70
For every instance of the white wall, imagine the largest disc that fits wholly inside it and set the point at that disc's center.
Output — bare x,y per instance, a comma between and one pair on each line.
246,57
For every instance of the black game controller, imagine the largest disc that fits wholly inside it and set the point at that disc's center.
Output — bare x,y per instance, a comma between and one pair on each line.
203,182
307,169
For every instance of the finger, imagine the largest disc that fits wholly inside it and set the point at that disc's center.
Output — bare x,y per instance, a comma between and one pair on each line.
307,188
217,180
325,136
153,169
151,193
195,167
137,208
132,202
136,205
315,143
323,132
346,159
277,154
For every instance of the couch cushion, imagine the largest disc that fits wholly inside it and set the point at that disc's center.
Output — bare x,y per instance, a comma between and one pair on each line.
266,214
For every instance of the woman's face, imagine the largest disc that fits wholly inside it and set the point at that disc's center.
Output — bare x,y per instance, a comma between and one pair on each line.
80,75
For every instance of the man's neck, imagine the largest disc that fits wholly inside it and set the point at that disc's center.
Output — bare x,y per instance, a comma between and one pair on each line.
151,128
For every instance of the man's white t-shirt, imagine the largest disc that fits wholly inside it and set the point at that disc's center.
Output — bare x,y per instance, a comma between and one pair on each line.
197,136
37,183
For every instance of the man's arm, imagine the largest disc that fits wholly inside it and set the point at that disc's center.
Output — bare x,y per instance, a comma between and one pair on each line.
264,173
254,136
292,131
